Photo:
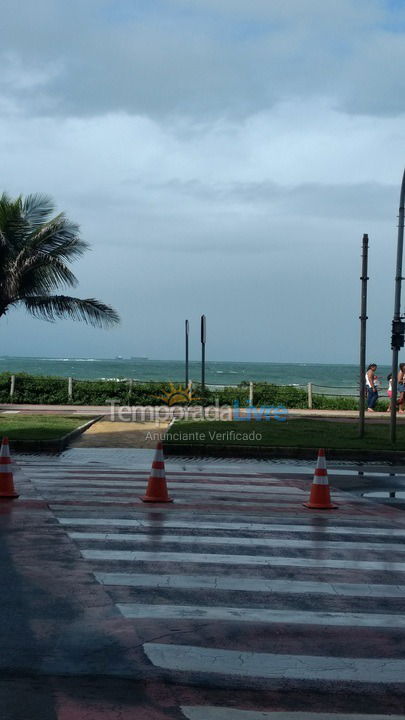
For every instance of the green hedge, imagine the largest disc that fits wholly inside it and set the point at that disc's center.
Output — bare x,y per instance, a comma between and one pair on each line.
32,389
54,390
268,394
4,387
293,397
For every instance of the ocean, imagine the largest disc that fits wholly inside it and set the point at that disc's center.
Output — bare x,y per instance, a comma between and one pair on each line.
340,377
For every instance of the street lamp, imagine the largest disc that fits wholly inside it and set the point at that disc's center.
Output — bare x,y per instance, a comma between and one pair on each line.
397,324
187,328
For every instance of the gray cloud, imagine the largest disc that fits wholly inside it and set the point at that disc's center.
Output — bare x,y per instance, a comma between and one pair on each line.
347,201
203,58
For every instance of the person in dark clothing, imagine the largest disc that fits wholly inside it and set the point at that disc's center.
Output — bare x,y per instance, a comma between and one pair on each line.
372,388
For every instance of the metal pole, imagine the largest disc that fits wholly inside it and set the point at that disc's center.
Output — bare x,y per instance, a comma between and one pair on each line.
203,341
12,387
309,392
187,327
397,310
363,327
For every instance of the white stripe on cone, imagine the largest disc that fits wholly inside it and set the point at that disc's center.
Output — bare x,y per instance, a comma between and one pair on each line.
321,464
5,470
320,480
159,453
5,448
158,473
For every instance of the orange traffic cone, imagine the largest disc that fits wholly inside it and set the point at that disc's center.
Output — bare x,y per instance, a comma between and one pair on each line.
157,488
7,489
319,498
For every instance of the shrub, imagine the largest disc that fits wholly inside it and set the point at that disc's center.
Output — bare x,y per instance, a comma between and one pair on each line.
54,390
339,402
5,387
273,395
33,389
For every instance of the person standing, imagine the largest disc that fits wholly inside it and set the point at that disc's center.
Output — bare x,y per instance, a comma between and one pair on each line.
372,389
389,391
401,387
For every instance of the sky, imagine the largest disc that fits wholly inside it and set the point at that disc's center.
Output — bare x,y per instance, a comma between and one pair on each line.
221,157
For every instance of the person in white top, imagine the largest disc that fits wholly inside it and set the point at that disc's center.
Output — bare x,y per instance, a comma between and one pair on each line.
389,391
372,387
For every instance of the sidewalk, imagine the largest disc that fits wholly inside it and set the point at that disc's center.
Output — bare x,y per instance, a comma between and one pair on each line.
107,434
168,413
233,598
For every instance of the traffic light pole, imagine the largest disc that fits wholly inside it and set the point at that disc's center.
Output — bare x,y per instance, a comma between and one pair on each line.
397,335
363,326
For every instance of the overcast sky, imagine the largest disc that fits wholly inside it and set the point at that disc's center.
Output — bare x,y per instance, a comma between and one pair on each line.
222,157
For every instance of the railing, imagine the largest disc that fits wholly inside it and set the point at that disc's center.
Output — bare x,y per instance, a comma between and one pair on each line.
311,389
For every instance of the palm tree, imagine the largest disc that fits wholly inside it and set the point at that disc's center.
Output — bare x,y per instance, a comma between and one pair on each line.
35,249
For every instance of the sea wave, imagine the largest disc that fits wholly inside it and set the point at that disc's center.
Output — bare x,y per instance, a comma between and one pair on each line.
115,379
69,360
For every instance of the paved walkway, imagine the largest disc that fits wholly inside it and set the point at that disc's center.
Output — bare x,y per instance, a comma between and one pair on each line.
167,413
107,434
233,603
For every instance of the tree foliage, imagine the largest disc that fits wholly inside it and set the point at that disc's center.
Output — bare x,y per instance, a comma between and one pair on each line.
35,251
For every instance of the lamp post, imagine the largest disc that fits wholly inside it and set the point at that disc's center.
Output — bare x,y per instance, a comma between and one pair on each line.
203,341
397,324
187,328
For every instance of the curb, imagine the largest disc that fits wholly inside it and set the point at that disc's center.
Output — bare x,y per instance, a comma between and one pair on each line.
53,446
297,453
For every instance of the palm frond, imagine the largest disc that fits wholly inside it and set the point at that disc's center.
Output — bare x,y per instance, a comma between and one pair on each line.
59,237
12,225
36,208
3,248
43,273
91,311
6,203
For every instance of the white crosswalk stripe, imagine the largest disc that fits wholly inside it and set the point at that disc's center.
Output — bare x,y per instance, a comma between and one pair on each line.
240,614
205,712
94,487
248,542
185,499
219,559
266,665
241,584
237,526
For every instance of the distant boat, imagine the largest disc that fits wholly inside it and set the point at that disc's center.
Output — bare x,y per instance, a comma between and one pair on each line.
118,357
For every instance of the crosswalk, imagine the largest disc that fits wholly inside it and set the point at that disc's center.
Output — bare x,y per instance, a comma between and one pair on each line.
237,585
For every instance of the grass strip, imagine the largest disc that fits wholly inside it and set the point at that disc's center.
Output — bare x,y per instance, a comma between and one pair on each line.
292,433
31,428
